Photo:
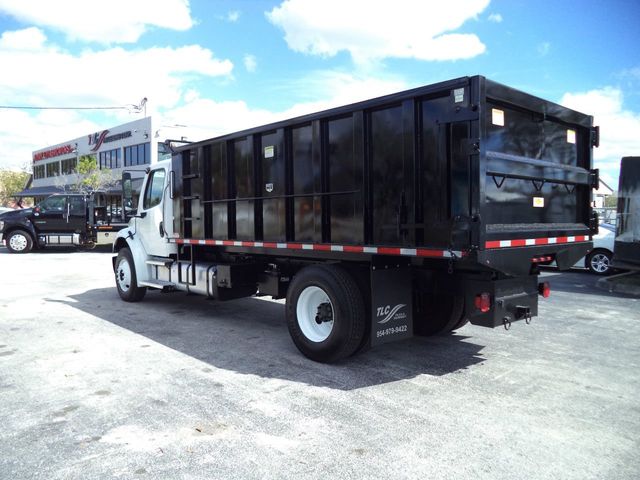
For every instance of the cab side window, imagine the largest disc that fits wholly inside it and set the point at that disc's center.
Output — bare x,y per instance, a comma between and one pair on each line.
53,204
153,193
76,206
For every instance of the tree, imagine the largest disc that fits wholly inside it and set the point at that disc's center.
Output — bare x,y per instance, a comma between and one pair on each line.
89,178
10,184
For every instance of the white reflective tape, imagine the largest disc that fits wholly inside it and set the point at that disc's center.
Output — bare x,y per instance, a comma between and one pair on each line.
370,249
258,244
552,240
408,251
307,247
505,243
336,248
530,241
571,239
281,245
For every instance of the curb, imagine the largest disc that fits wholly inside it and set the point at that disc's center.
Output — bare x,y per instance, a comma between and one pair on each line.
627,283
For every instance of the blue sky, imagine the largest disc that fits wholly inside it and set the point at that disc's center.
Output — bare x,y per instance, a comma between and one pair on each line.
217,66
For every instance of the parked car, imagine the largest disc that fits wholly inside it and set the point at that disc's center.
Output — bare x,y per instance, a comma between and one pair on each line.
599,259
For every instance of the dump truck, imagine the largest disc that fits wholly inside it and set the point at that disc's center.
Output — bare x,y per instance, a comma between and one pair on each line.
627,243
408,214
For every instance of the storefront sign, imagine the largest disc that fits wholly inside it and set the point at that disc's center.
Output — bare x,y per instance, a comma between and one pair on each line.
97,139
54,152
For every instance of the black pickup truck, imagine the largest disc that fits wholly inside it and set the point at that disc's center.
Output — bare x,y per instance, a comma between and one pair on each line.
61,219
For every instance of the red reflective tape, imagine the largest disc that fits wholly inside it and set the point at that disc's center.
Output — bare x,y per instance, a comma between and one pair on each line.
429,253
322,247
353,249
542,241
521,242
562,239
492,244
294,246
388,251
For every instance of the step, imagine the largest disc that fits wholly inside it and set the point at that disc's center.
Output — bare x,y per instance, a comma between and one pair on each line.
161,284
159,261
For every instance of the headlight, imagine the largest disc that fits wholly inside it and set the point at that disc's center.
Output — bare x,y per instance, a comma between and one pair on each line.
1,225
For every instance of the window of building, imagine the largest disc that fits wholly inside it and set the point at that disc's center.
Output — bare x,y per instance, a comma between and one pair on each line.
38,172
69,166
110,159
53,169
137,155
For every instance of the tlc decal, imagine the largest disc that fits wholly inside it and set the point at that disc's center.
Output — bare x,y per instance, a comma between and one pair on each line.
96,139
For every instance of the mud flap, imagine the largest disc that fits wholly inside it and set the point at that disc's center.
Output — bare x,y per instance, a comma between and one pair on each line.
391,303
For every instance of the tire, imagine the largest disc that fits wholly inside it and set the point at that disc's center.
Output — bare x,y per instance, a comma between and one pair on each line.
19,241
437,314
126,279
599,262
325,313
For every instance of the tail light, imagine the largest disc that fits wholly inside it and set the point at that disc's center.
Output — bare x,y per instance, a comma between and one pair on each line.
483,302
542,259
544,289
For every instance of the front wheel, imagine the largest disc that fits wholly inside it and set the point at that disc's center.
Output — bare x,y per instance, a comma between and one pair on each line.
126,280
19,241
325,313
599,262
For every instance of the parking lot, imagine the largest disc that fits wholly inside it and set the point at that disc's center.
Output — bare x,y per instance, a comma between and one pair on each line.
179,387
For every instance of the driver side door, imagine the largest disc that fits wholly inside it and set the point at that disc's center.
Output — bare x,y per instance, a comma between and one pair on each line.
50,214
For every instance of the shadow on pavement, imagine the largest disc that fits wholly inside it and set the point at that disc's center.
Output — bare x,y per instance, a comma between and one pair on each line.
250,336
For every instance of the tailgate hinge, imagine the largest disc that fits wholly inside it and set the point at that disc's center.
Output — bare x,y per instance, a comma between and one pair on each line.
595,137
594,178
471,146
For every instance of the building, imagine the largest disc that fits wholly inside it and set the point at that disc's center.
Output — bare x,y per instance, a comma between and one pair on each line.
128,146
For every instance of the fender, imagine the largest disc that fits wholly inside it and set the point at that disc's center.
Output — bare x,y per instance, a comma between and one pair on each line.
24,224
127,238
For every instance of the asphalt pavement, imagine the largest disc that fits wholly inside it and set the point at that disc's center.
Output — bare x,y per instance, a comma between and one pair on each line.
179,387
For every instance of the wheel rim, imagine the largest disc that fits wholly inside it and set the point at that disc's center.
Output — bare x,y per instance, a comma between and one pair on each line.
600,262
18,242
123,275
315,313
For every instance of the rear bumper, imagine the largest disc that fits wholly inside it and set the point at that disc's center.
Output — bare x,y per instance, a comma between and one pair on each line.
512,299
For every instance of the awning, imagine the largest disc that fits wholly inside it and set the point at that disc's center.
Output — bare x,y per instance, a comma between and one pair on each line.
45,191
40,191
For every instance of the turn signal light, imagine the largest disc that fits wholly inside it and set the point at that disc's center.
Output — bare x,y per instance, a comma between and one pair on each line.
544,289
483,302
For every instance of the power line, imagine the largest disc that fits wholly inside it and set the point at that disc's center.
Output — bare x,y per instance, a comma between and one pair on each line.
19,107
131,106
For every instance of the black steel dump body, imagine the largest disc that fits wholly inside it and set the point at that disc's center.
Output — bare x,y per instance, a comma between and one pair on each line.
466,173
627,244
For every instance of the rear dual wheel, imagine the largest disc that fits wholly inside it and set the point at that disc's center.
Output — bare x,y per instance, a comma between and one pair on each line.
436,314
325,313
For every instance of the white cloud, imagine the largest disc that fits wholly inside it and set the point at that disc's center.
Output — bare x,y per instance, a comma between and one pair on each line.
495,17
50,76
402,29
619,128
28,39
250,63
233,16
544,48
118,21
208,118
